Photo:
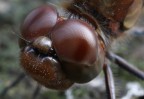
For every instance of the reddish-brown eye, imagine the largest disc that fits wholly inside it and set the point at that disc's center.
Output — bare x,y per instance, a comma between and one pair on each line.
76,45
39,22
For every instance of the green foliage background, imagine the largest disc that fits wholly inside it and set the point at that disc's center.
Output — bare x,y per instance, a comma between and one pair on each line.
12,15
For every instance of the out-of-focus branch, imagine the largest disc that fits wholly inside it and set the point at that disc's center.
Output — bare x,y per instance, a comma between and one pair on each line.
13,84
36,92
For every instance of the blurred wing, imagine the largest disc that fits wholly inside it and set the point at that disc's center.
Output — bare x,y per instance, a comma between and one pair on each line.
112,9
133,13
117,15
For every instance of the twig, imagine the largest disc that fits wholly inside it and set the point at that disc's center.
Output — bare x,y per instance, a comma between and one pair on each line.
36,92
13,84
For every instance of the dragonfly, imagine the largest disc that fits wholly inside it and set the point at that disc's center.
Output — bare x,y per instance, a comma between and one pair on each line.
58,51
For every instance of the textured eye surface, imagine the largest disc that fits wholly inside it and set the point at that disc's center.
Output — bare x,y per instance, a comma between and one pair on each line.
39,22
76,45
46,70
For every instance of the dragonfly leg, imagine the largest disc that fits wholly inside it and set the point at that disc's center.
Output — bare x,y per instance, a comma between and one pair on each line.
125,65
109,82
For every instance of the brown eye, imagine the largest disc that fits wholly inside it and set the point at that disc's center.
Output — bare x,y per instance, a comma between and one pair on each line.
76,45
39,22
38,58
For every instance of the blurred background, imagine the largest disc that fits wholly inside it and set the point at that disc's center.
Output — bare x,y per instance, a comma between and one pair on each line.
14,85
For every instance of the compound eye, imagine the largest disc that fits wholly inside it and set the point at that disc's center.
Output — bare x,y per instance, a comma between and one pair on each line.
75,40
39,22
76,45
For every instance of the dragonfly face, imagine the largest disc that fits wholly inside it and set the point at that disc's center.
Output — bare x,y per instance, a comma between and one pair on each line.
59,52
62,51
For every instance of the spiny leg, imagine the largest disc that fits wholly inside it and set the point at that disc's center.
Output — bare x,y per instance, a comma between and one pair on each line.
109,82
125,65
